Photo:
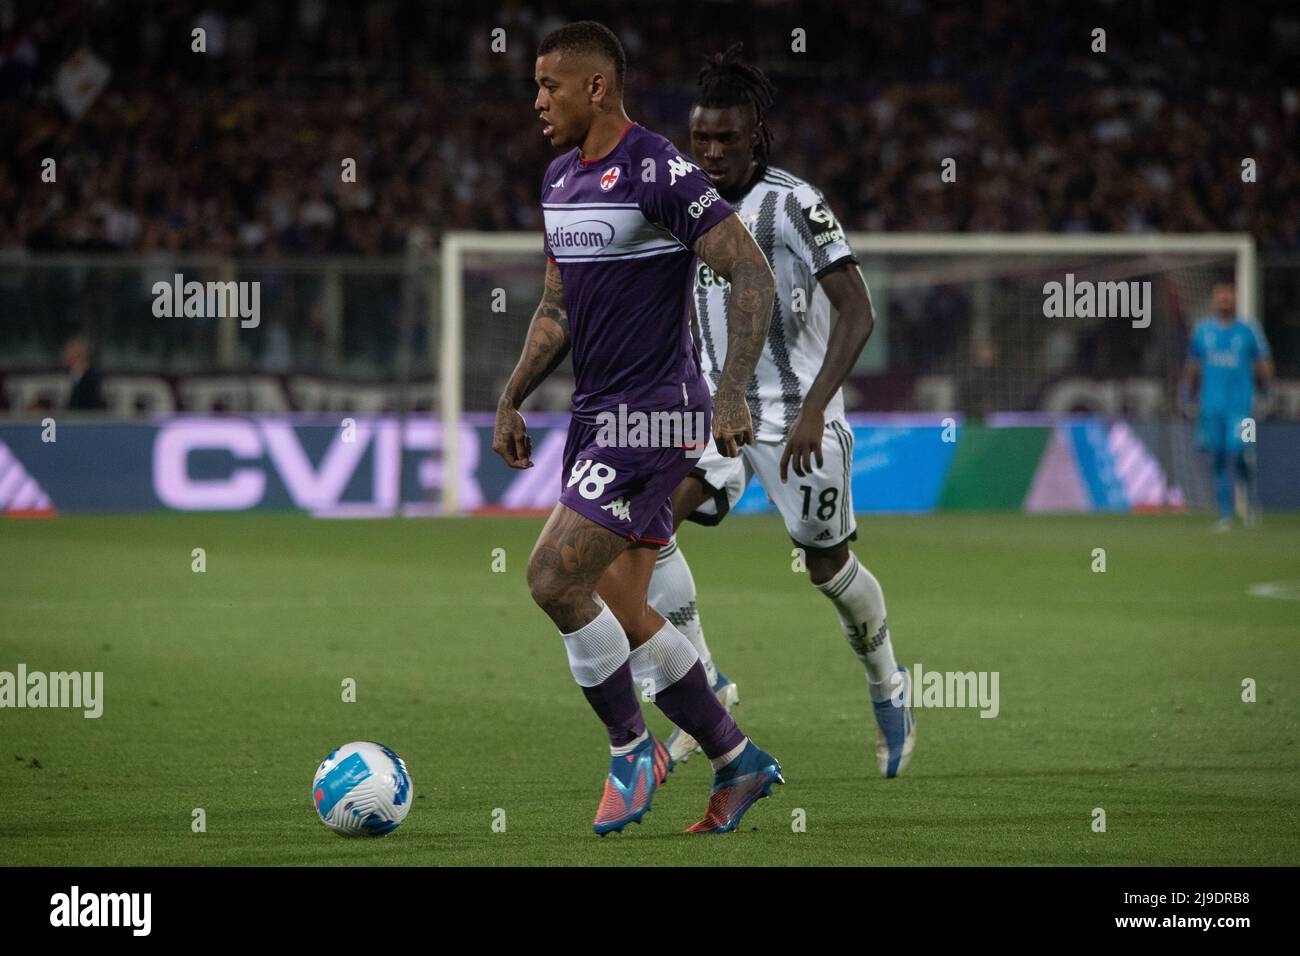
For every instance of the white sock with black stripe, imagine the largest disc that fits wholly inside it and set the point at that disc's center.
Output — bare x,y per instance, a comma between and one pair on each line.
860,603
672,594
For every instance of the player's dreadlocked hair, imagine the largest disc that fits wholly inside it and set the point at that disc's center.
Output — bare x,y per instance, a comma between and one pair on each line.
726,81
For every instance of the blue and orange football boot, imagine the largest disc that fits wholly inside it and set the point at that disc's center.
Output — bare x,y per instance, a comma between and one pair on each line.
736,787
630,785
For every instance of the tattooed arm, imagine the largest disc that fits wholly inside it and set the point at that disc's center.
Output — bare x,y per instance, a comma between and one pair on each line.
729,250
544,349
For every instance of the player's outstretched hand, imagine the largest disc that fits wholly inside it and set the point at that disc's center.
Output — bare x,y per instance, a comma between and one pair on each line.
510,437
732,426
804,444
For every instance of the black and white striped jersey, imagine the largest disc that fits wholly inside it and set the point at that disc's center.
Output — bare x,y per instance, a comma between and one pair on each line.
802,239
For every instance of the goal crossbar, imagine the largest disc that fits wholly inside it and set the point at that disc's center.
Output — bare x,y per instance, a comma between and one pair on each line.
457,244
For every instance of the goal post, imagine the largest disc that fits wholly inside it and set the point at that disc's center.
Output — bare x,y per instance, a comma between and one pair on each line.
1240,246
456,246
982,291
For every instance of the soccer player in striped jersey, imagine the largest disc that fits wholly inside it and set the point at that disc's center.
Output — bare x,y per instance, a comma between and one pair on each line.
794,397
626,216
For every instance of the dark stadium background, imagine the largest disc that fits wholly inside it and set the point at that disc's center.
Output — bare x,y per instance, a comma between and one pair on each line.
1123,640
229,153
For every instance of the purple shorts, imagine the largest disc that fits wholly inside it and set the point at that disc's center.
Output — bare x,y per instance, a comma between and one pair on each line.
627,489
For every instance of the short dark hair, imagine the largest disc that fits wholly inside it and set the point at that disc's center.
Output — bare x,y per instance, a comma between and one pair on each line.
726,80
588,36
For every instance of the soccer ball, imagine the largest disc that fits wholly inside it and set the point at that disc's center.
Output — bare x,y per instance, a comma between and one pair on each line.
362,789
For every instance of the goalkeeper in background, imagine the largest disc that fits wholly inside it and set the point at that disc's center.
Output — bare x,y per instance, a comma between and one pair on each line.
1228,355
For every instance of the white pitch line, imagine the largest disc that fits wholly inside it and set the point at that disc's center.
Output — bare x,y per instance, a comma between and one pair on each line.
1284,590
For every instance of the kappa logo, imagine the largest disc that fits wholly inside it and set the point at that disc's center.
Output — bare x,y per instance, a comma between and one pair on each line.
608,180
679,167
619,508
559,182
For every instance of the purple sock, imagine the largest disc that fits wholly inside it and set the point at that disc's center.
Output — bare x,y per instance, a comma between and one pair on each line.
615,703
691,705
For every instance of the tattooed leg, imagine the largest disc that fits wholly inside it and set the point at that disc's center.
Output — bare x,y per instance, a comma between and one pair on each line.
570,557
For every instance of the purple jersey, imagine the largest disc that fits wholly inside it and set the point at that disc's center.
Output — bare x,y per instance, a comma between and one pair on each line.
620,228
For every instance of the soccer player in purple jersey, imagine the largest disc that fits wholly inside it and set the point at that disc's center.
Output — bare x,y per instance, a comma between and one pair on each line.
625,217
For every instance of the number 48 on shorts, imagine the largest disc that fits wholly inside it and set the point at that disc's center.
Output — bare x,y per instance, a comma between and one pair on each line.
591,477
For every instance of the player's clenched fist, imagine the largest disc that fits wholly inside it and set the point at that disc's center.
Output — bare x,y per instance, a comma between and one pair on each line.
510,437
732,426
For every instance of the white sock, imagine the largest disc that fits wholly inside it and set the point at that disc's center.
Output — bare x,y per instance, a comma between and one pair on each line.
596,649
857,597
672,594
661,661
628,748
717,763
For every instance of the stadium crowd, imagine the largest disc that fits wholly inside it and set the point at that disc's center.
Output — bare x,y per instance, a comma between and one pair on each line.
239,149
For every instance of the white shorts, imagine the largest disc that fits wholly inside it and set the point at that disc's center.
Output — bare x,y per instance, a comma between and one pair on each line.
817,508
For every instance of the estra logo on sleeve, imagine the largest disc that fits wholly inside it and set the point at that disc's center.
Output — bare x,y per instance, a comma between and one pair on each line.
696,209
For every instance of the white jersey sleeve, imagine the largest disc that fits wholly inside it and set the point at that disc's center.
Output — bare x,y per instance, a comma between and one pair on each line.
811,232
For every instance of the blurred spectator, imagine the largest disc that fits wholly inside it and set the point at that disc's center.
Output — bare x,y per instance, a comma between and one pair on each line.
86,384
979,382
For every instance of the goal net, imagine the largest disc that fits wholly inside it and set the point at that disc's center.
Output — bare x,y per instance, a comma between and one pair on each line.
1000,330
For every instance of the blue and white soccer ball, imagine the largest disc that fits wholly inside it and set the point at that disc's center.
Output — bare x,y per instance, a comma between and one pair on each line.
362,789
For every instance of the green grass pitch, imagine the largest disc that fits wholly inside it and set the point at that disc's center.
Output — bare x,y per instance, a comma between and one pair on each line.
1120,690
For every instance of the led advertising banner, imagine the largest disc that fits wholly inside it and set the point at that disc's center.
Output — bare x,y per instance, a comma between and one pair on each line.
339,466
